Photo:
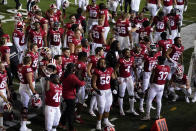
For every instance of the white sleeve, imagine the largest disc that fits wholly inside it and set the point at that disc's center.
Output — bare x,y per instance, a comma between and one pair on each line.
16,42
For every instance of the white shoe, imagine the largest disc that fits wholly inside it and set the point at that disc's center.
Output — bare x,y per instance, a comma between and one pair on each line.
28,122
134,113
187,100
153,108
175,98
25,129
141,110
92,113
157,117
98,126
128,111
145,118
113,21
108,123
194,100
122,113
85,105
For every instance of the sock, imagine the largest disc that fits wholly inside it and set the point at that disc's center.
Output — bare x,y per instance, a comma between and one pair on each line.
78,116
99,122
23,123
141,103
1,121
120,101
106,120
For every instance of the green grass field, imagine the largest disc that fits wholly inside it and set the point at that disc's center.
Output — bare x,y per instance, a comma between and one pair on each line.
180,116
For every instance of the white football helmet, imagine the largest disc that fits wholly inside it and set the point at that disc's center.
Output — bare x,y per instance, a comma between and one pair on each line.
7,107
36,101
107,128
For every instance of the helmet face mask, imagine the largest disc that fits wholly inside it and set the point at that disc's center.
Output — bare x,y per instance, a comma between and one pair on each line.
179,71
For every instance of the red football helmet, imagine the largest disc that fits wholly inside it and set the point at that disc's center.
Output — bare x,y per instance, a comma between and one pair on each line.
18,16
179,71
19,25
53,6
65,4
7,37
7,107
109,128
36,101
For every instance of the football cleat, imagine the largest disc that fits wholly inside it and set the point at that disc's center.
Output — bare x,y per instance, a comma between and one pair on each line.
25,129
145,118
175,98
92,113
108,123
108,128
36,101
122,113
79,120
187,99
98,126
194,100
141,110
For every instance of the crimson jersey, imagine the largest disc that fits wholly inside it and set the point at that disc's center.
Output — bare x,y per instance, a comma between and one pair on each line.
123,27
3,80
97,30
180,2
143,47
43,21
173,20
149,63
4,50
161,73
93,59
76,42
181,81
52,19
56,36
22,71
143,32
125,67
152,1
70,35
20,35
160,24
165,45
82,66
80,19
176,52
106,14
37,37
53,95
59,70
139,21
93,11
138,57
167,2
66,61
87,50
103,78
34,58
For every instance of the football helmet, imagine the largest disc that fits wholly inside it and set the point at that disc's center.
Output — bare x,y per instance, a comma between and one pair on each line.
52,63
35,8
107,128
7,107
53,6
7,37
19,25
56,25
44,51
36,101
65,4
179,71
18,16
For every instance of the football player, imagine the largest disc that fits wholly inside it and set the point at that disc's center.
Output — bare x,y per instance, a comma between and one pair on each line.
76,41
164,43
174,21
26,89
92,11
56,38
18,37
123,31
181,5
66,57
58,60
153,6
123,68
174,55
97,36
158,80
113,5
161,24
167,6
105,15
101,84
37,36
180,80
83,4
53,93
4,94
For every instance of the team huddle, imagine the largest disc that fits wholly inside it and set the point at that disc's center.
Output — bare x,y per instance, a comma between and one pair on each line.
98,55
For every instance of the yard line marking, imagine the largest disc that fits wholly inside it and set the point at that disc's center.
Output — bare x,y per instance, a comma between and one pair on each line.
113,119
142,127
173,109
191,3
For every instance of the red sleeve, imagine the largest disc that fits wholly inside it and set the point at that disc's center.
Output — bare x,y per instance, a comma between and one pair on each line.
78,82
